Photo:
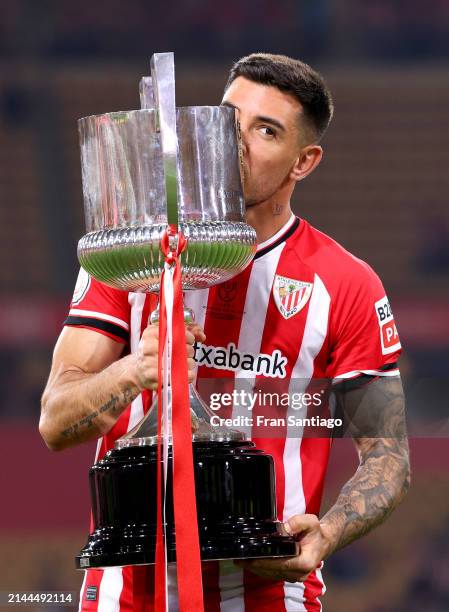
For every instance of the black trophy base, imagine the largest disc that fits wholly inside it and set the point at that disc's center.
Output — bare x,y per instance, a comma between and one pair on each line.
236,506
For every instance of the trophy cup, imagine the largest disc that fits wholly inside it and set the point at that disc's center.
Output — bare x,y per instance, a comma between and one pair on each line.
132,164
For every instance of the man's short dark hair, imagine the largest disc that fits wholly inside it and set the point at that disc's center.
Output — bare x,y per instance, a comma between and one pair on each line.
291,76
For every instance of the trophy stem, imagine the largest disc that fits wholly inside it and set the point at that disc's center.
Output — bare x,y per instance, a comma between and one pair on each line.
201,415
189,316
145,432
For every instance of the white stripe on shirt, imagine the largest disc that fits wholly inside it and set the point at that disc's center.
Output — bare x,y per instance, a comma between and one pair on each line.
76,312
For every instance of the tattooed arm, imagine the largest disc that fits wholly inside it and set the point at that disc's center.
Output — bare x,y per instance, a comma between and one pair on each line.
375,417
90,384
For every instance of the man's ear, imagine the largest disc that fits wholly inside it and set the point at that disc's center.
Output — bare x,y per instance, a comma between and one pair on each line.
308,160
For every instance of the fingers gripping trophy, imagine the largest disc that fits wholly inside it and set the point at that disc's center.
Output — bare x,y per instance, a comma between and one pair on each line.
165,214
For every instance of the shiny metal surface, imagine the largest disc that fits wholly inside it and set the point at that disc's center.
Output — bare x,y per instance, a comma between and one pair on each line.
145,169
163,81
123,173
235,501
146,92
130,259
125,205
145,432
189,316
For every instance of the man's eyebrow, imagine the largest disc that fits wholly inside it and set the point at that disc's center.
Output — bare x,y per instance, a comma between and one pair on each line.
272,121
262,118
225,103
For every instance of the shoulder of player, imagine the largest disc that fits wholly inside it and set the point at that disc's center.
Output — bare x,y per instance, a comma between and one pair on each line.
92,297
96,287
334,264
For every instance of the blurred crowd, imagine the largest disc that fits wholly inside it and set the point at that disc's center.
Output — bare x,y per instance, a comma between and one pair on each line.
425,587
383,30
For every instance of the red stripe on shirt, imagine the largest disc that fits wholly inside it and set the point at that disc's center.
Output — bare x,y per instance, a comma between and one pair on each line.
285,335
262,595
93,579
313,589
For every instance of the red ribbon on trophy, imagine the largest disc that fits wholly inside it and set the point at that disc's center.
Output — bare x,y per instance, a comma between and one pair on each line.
172,335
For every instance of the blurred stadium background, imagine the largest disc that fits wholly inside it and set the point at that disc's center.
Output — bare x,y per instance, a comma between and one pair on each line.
382,191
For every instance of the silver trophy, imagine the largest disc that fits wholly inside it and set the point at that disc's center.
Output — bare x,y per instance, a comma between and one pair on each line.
145,168
142,170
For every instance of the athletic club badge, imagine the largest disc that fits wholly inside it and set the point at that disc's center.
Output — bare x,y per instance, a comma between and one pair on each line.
290,295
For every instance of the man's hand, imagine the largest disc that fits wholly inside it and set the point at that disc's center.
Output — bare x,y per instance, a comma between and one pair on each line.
312,548
146,357
194,333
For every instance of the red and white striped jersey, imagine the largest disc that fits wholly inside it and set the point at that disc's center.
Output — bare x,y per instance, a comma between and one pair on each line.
304,309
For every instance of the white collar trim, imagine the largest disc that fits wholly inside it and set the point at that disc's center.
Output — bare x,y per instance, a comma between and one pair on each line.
277,235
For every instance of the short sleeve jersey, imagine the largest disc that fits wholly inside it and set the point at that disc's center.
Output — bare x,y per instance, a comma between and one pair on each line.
304,309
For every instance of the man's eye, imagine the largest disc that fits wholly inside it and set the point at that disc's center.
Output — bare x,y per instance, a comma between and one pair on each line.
267,131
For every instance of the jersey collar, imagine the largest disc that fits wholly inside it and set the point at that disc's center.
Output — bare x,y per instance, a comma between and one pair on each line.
285,232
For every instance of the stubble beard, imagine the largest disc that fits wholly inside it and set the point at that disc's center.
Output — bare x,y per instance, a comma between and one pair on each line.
253,200
256,199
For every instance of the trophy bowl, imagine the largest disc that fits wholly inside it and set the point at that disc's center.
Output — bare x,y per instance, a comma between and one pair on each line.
123,188
126,191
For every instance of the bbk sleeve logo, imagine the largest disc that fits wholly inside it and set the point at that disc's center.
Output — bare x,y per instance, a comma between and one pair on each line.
389,337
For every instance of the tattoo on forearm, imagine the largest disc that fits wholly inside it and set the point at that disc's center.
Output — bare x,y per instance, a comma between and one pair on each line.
112,405
382,478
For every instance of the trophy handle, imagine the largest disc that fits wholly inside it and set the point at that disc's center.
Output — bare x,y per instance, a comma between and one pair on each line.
163,83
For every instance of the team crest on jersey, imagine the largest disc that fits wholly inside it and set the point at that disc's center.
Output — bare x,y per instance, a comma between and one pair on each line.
290,295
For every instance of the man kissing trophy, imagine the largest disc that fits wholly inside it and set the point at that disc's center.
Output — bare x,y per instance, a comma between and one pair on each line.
164,214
